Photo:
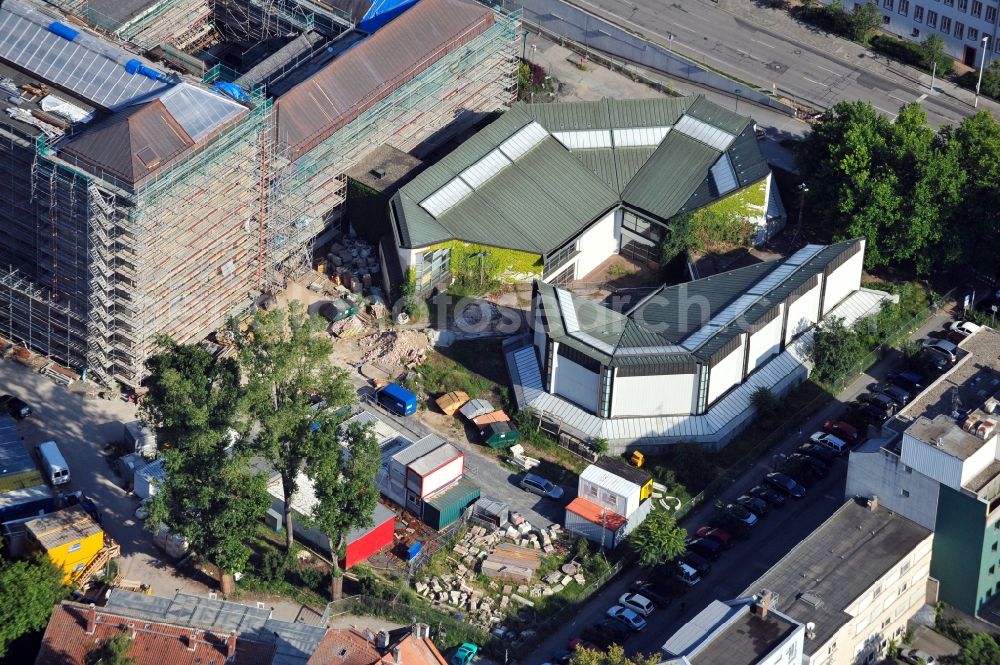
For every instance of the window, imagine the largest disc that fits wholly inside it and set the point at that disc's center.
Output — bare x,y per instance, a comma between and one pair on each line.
906,494
993,570
931,19
973,34
430,266
963,5
915,32
994,547
904,7
977,8
559,259
75,547
888,4
945,24
886,20
949,3
959,29
918,16
920,11
991,14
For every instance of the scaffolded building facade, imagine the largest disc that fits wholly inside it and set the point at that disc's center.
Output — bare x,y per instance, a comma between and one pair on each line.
172,208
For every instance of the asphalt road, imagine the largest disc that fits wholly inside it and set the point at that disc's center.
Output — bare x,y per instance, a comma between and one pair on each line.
807,66
769,541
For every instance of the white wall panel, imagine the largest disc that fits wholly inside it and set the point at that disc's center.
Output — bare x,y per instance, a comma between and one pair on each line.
802,313
596,245
931,461
726,374
764,343
577,384
660,395
444,476
843,281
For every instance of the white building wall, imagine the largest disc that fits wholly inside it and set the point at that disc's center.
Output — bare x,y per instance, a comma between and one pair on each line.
660,395
408,258
788,652
910,494
596,244
726,374
932,462
577,384
764,343
443,477
979,460
803,313
539,337
843,281
623,504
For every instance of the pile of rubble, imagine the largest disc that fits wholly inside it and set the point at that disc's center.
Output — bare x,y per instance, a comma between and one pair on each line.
405,347
488,606
351,262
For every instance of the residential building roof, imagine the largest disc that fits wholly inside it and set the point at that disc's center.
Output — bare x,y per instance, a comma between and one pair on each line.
14,457
435,459
314,109
385,169
683,324
609,480
618,467
594,514
837,563
541,173
61,527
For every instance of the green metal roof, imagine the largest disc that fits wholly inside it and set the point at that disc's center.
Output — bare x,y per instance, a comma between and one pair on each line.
548,194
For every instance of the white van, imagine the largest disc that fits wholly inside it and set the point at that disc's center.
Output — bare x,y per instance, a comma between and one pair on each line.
53,463
687,574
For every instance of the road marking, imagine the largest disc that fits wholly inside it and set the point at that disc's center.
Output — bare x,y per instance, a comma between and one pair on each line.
827,70
812,81
763,43
891,115
922,97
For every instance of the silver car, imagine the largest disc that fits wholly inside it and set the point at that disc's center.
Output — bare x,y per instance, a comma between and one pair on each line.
540,486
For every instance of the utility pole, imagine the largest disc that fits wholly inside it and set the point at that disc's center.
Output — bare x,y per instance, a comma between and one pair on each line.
933,73
982,66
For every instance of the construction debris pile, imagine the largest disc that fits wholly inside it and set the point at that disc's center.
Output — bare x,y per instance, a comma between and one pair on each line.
351,263
407,348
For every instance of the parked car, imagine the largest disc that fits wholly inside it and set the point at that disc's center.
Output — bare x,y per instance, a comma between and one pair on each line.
607,632
628,617
963,328
686,574
15,406
871,414
561,657
756,506
879,401
785,484
898,395
816,468
464,654
834,443
655,591
540,486
907,380
698,562
842,430
720,536
772,496
933,362
942,347
822,453
637,603
740,514
705,547
916,657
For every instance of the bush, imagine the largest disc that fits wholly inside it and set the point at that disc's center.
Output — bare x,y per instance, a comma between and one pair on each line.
991,80
912,54
312,577
273,566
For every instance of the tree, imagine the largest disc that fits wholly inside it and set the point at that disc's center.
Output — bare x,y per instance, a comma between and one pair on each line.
28,590
835,350
768,406
864,21
286,363
210,496
658,539
932,49
980,649
615,655
344,479
113,651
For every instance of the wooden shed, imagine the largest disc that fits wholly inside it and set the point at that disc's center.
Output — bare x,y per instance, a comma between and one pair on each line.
451,402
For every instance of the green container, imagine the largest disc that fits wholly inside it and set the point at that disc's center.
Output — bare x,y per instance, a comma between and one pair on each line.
499,435
446,508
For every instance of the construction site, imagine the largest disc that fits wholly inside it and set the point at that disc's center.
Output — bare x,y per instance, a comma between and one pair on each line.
165,164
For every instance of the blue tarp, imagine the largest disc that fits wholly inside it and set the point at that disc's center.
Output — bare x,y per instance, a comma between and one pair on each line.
381,12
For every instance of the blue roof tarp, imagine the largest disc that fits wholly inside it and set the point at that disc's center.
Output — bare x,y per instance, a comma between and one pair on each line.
383,11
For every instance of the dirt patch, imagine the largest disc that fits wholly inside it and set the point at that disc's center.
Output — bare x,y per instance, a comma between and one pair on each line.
406,347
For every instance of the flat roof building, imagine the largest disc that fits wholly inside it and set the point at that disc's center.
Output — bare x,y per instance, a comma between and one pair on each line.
853,583
938,464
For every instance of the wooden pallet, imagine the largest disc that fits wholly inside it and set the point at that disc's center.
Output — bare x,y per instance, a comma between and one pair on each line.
111,550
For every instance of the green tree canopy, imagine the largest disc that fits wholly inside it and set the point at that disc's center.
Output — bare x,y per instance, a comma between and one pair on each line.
287,366
980,649
114,651
344,479
28,591
835,350
658,539
865,19
615,655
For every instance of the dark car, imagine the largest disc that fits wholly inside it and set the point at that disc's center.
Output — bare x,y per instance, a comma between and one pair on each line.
656,592
842,430
879,401
756,506
607,632
822,453
720,536
814,466
15,406
898,395
786,484
907,380
705,547
698,562
933,362
740,514
871,414
772,496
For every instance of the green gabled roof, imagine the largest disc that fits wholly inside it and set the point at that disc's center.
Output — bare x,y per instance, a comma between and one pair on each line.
615,166
668,178
715,115
608,113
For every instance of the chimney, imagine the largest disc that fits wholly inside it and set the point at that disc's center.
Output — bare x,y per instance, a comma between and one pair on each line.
91,619
397,656
191,642
382,639
763,603
231,646
421,631
873,503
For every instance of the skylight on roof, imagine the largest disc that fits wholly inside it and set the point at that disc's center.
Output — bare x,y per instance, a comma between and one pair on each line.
523,140
704,132
584,139
723,176
636,137
487,167
446,197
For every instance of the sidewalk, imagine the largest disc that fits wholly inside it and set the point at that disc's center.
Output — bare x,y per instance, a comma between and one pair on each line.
781,24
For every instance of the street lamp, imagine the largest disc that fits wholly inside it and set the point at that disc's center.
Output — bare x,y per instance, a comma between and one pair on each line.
802,201
738,91
982,66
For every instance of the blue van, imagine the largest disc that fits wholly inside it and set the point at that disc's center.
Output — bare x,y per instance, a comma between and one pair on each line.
397,399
